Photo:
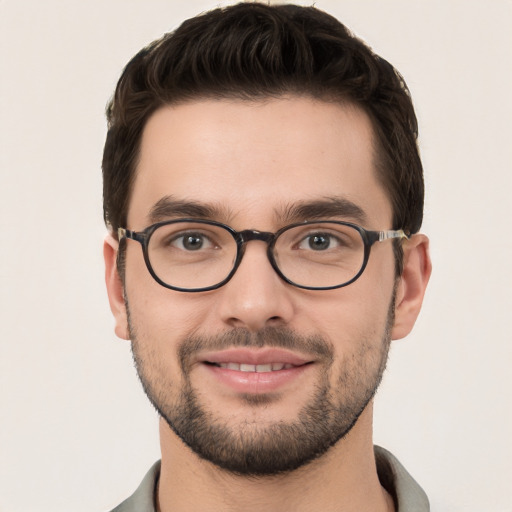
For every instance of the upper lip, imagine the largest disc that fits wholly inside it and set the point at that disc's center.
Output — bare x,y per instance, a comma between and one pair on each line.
254,356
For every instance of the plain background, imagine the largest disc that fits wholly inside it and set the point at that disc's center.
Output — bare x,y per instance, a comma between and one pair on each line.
76,431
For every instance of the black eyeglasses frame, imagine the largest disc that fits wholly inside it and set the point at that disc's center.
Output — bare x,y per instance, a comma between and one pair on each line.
241,238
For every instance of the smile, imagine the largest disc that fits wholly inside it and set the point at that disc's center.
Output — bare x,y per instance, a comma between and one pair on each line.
258,368
254,371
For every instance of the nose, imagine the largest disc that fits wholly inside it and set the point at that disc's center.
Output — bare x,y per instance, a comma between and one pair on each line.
256,297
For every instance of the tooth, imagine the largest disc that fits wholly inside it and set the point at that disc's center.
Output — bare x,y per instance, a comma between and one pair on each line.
263,368
259,368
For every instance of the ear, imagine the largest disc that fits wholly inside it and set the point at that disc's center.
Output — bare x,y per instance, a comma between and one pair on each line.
115,287
411,285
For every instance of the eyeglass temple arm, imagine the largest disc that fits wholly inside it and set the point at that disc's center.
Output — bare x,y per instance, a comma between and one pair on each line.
127,233
392,233
132,235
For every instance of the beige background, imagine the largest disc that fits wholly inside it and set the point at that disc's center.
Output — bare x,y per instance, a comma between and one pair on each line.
76,432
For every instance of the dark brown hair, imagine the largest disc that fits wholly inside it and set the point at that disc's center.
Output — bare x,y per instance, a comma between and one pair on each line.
251,51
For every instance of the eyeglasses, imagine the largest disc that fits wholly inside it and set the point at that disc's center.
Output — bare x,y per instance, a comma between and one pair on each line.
191,255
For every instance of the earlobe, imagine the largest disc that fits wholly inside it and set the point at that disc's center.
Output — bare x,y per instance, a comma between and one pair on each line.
411,285
115,287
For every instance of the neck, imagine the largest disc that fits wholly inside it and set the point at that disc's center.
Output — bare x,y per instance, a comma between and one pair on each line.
344,479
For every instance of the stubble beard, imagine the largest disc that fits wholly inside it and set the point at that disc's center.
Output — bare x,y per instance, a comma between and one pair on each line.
248,448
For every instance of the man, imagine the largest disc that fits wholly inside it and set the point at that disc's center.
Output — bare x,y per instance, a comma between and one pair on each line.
264,193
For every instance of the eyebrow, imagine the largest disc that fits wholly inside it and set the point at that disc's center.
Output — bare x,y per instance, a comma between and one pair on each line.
168,207
326,208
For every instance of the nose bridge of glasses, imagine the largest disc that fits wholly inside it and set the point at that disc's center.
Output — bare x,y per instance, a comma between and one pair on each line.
249,235
252,234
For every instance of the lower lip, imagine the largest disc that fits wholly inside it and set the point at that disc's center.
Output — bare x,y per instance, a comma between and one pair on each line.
256,382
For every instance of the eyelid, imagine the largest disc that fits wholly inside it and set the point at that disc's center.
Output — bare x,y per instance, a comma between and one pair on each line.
327,229
208,235
332,240
178,241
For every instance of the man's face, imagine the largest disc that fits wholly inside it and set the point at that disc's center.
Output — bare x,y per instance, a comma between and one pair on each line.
320,354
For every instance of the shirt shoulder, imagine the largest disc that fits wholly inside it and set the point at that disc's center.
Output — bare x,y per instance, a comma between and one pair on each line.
143,499
408,495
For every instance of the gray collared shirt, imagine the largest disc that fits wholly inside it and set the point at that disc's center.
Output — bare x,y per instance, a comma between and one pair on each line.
408,495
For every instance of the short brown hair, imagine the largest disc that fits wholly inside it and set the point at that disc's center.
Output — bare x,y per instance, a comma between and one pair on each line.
251,51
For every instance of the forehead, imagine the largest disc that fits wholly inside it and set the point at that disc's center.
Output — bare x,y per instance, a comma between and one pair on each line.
251,160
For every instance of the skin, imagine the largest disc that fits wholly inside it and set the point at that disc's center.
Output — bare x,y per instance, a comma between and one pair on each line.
254,159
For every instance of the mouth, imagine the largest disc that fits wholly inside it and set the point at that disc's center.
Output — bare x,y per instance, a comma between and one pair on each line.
257,368
248,360
252,371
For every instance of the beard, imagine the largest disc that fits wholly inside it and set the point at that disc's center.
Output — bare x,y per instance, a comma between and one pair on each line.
252,449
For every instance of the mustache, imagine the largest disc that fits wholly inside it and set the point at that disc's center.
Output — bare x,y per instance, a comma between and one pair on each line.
275,337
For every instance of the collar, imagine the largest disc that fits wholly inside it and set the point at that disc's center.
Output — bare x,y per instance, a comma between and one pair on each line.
408,495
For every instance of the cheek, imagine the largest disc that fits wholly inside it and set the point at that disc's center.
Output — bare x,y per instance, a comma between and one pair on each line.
158,326
352,315
160,318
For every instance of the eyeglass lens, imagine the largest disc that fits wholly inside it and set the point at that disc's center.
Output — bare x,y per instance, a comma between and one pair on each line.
194,255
